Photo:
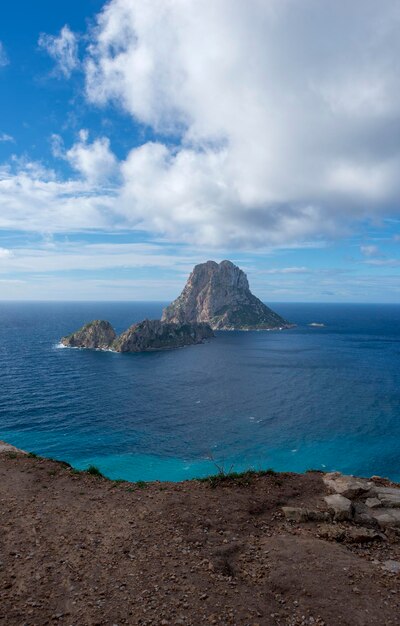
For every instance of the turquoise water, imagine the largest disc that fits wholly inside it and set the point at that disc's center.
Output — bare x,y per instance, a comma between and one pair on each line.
323,398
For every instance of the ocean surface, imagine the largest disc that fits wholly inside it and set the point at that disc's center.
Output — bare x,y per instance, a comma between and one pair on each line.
310,397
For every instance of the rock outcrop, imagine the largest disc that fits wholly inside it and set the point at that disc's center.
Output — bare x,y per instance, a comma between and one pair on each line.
219,295
98,335
370,503
155,335
141,337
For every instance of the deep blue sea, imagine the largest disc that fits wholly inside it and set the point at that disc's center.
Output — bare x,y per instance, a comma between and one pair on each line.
325,398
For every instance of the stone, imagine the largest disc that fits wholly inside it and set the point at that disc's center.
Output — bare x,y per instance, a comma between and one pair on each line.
391,566
386,518
389,500
388,496
363,535
341,507
98,335
219,295
347,486
301,514
364,519
373,503
332,532
394,491
295,513
155,335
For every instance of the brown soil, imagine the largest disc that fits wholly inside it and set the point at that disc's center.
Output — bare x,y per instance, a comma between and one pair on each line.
80,550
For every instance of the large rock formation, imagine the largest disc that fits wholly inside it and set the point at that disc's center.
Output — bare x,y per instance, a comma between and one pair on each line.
98,335
219,295
141,337
155,335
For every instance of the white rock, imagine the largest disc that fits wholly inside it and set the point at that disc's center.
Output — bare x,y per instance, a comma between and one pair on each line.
373,503
342,507
391,566
347,486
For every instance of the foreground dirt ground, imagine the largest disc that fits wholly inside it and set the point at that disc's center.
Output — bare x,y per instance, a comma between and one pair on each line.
77,549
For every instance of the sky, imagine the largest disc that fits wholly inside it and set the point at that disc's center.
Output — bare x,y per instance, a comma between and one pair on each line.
140,137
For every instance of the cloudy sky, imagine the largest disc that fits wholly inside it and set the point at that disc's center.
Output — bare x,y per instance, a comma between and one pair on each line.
139,137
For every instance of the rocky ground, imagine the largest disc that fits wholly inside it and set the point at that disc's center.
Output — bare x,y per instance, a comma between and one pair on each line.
77,549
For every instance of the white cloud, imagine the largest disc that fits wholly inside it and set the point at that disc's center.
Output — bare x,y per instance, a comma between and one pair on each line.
94,161
62,49
5,138
285,134
371,250
5,253
3,56
89,257
33,198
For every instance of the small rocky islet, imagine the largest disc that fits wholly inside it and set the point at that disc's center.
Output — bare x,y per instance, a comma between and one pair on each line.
215,297
141,337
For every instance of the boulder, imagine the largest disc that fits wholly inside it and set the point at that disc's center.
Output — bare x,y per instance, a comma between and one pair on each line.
341,507
373,503
388,496
347,486
386,518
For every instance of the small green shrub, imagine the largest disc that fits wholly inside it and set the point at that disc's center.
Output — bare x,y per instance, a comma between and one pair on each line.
94,471
141,484
239,478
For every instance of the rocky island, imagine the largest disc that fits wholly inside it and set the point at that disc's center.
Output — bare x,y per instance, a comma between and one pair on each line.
219,295
144,336
98,335
215,297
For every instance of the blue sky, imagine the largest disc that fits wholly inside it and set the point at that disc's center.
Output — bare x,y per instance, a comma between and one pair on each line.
138,138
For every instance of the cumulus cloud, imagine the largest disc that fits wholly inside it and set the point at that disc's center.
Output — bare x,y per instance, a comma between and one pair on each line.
3,56
94,161
62,49
286,114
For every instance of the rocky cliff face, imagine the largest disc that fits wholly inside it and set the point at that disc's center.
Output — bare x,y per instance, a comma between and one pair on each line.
142,337
155,335
219,294
98,335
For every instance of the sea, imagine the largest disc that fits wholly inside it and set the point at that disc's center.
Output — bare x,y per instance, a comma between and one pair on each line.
312,397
